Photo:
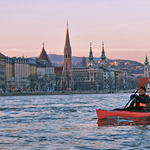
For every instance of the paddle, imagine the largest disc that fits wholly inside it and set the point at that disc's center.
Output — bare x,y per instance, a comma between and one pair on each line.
143,82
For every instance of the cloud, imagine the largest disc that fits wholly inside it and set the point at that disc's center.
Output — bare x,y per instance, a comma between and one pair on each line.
134,23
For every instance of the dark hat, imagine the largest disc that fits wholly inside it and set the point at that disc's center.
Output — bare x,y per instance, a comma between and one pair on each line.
143,87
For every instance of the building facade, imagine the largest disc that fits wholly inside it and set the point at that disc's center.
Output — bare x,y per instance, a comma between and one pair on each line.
18,71
45,72
2,72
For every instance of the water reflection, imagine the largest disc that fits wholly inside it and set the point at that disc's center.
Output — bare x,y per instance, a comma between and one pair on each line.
124,121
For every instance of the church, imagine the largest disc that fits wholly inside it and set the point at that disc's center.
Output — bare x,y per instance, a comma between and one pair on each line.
92,76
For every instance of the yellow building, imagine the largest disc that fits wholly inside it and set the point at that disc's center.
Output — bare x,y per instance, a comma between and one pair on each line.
18,71
32,67
9,67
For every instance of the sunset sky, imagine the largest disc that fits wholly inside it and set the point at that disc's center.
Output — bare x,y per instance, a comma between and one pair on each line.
123,26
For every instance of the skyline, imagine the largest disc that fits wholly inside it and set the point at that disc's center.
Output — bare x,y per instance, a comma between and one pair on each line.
123,26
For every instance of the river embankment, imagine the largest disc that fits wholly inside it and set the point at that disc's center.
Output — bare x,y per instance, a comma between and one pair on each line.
23,93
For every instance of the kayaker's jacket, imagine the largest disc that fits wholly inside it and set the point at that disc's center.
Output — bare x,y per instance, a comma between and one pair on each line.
141,102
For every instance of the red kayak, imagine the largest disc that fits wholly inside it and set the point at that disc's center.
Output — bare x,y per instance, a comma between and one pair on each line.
102,114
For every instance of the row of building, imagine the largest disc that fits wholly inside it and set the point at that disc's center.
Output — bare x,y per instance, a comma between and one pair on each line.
23,73
39,73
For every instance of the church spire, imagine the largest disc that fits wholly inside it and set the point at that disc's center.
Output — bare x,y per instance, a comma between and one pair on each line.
146,67
146,61
67,53
103,57
91,53
91,61
67,68
67,47
103,62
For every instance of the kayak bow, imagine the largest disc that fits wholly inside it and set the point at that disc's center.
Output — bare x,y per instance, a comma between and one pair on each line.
102,114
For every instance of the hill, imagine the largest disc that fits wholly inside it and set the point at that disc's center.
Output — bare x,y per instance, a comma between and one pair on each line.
134,66
60,58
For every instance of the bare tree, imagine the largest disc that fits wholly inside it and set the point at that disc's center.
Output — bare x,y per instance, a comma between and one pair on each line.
66,80
49,80
83,63
33,81
58,82
120,84
109,83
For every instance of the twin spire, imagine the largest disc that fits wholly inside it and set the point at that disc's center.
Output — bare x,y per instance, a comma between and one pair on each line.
103,57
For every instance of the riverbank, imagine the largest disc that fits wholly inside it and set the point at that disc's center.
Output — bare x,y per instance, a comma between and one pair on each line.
22,93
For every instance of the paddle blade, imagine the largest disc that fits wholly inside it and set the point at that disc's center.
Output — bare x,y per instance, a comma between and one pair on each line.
143,82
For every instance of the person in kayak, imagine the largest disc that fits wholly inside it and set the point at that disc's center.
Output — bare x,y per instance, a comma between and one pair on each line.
141,102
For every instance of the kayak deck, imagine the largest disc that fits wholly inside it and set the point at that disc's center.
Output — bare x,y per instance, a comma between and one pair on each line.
102,114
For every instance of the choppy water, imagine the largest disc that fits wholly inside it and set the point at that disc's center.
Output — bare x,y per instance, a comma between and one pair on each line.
67,122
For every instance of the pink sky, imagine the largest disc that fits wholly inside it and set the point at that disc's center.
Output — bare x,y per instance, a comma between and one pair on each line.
123,26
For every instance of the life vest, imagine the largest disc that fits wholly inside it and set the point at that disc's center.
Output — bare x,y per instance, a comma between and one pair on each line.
142,105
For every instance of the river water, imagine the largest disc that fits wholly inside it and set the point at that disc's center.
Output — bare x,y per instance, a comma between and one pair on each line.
68,122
